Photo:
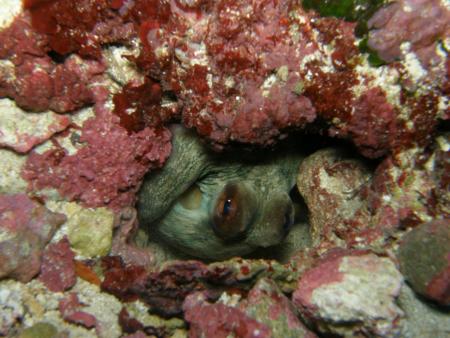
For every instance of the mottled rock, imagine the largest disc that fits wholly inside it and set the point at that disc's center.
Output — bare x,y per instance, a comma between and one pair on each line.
219,320
10,180
350,294
422,319
267,304
21,131
126,227
401,22
58,267
424,256
70,309
26,227
106,171
89,230
332,182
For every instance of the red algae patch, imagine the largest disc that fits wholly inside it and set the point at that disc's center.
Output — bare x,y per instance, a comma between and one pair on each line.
107,170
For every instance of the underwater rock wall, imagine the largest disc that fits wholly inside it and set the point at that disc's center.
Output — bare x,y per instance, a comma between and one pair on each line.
87,90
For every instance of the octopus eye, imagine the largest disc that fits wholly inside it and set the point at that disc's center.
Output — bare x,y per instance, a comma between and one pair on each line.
228,216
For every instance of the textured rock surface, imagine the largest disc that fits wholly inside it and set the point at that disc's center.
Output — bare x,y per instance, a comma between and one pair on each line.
423,319
107,167
89,231
424,256
351,294
267,304
26,227
21,131
25,305
58,266
207,320
10,180
332,184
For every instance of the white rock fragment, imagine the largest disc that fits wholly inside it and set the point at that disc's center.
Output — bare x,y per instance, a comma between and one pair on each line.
10,166
9,9
21,131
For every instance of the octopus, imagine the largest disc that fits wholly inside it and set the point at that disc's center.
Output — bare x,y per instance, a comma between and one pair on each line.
216,206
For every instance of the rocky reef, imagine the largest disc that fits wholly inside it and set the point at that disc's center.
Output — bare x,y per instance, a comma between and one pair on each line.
358,90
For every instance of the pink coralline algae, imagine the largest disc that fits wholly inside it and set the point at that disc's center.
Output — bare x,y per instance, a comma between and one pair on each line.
333,185
420,22
126,228
337,295
107,169
58,266
219,320
267,304
21,131
424,256
38,83
26,227
70,309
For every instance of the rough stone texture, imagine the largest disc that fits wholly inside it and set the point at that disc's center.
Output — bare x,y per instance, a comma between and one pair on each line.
219,320
332,184
37,82
58,267
10,8
351,294
26,227
420,22
40,330
411,187
267,304
10,180
89,231
70,308
424,256
21,131
107,169
39,305
12,309
422,319
123,245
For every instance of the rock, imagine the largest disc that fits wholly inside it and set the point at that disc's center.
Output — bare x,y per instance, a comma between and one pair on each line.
21,131
219,320
267,304
107,170
12,309
123,244
332,182
70,309
58,266
401,22
424,256
10,180
89,230
422,319
351,293
39,330
26,227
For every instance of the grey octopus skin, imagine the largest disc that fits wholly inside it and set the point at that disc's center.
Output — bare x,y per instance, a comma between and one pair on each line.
214,206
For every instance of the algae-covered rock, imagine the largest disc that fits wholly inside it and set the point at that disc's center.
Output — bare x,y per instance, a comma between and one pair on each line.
267,304
89,230
351,294
39,330
424,256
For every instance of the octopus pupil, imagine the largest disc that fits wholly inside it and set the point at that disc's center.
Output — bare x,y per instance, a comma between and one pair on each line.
227,207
